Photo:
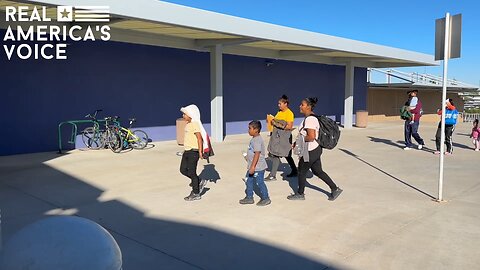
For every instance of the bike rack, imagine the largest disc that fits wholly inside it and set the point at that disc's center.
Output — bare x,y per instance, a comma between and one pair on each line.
73,136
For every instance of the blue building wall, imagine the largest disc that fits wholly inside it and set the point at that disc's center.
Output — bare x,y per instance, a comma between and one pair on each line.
252,88
151,84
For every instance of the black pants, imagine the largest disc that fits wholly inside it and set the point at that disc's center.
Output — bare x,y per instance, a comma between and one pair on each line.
448,137
291,163
290,160
188,167
315,164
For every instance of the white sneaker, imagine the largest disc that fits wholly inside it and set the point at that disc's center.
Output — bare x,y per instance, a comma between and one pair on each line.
406,148
420,147
476,150
202,184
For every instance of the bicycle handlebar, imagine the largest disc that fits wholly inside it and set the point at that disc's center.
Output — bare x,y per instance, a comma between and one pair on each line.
115,119
94,116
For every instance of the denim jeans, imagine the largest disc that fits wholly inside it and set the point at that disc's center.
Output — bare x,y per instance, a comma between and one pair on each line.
411,130
258,179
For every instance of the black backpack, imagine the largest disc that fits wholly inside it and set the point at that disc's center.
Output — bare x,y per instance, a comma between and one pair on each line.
329,133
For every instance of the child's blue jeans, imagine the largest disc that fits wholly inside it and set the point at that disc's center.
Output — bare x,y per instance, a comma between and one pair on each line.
258,179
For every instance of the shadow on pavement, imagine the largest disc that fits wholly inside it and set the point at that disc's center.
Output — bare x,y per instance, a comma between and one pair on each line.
386,141
31,190
462,146
459,145
386,173
293,183
210,173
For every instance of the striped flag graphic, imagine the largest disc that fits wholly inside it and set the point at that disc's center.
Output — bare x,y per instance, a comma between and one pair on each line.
92,14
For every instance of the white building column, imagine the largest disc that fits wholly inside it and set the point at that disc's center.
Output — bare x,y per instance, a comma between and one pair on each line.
216,93
348,104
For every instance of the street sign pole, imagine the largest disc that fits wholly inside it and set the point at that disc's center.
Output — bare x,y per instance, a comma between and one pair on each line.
448,38
446,55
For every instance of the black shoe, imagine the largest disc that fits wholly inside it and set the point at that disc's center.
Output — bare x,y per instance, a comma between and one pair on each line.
246,200
193,197
292,174
296,197
335,194
270,178
264,202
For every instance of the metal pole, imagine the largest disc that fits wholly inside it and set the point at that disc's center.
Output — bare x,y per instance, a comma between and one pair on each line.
446,55
348,101
216,92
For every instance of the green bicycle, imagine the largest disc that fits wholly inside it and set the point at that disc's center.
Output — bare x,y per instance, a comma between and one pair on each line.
93,136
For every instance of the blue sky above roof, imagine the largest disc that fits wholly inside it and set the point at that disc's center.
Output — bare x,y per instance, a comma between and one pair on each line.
402,24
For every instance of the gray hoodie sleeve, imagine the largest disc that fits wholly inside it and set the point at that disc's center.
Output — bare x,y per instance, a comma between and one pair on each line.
301,147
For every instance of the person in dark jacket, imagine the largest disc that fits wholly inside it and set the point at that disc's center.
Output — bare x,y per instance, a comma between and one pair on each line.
411,125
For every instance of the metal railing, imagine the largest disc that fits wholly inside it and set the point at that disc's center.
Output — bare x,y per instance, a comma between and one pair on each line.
414,77
73,134
469,117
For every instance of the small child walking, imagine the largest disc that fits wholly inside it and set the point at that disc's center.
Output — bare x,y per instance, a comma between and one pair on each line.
194,143
476,135
256,166
412,105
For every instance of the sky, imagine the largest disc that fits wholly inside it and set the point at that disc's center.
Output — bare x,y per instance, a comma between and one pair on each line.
404,24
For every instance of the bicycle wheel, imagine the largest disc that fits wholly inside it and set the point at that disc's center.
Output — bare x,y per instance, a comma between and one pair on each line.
114,141
138,139
93,138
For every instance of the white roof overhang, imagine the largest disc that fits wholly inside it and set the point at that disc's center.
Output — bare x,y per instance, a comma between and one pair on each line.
159,23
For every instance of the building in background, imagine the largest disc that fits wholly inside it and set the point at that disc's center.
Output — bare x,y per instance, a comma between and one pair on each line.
384,99
163,56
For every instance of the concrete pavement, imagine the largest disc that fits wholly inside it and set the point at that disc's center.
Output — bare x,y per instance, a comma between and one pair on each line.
384,219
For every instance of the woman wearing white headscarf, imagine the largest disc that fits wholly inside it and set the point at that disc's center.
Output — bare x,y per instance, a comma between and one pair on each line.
194,143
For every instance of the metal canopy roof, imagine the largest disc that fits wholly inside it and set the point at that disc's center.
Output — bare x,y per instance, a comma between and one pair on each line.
164,24
451,88
419,81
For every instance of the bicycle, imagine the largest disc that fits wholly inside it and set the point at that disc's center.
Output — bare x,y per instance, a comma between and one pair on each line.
136,139
112,135
93,137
